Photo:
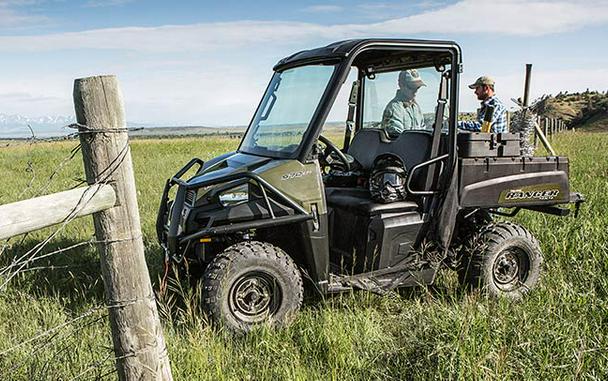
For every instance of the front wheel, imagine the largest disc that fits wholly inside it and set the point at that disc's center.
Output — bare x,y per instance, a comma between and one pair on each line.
505,261
252,283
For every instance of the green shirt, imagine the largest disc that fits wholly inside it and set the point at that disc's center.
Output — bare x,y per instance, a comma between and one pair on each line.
401,115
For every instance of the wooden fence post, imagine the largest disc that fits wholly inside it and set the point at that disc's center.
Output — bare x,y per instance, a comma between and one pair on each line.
139,344
553,126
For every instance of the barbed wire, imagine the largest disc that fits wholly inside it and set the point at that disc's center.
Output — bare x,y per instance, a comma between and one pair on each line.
51,330
58,169
44,188
19,261
30,163
84,129
52,333
48,342
102,178
33,139
22,262
96,365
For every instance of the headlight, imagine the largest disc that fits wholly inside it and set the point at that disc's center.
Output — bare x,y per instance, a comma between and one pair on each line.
235,195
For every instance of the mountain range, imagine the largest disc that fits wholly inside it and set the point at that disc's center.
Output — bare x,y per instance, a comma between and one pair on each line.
16,126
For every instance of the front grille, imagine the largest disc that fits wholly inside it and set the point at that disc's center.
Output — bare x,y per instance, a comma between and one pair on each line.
190,197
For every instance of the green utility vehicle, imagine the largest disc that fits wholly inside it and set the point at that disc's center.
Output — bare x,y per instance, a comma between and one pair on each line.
290,207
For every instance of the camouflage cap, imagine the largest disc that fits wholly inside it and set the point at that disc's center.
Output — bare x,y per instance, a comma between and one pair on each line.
411,77
483,80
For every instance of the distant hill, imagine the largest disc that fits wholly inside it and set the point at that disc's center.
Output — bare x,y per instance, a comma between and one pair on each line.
588,110
157,132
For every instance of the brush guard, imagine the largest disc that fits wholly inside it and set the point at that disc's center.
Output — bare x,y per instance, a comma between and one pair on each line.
169,213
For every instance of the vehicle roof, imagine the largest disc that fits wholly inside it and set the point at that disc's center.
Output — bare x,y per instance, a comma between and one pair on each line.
342,49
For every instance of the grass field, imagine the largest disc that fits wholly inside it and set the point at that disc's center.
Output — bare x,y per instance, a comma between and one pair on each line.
559,331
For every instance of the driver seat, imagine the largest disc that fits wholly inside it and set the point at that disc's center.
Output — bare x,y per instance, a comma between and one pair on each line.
411,146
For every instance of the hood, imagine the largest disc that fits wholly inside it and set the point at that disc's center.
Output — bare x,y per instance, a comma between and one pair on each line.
228,164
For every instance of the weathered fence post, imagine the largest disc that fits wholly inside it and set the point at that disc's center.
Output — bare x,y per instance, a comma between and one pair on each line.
139,344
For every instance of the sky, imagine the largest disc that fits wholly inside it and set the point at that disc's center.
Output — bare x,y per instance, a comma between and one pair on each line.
208,62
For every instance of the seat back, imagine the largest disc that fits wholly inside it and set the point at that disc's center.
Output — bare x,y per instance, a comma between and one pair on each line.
411,146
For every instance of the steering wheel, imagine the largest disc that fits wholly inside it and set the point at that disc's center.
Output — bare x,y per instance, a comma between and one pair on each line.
332,149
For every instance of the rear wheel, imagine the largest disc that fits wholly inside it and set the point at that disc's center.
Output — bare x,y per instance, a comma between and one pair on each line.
505,260
252,283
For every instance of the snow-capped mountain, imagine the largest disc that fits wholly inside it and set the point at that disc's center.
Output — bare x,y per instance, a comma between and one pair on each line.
16,126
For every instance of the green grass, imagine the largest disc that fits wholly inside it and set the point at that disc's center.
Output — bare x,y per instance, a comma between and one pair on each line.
559,331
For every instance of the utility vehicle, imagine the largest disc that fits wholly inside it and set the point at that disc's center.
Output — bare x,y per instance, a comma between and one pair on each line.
289,205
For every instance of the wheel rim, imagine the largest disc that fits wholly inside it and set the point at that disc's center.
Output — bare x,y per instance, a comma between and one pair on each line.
510,268
254,297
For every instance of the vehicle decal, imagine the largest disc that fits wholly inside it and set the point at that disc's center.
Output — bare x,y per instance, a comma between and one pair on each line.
293,175
541,192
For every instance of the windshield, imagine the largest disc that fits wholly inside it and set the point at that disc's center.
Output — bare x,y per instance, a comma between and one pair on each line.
286,110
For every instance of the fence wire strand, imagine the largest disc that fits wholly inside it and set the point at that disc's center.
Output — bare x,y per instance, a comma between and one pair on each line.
21,263
102,179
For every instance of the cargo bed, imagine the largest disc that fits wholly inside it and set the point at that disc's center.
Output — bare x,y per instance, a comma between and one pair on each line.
505,181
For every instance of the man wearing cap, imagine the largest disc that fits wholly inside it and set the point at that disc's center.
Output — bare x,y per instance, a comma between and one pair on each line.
403,112
484,90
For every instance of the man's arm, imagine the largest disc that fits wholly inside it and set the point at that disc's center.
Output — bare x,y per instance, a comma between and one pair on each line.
498,123
392,122
469,125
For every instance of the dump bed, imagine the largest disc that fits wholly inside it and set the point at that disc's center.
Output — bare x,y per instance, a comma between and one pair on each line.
513,181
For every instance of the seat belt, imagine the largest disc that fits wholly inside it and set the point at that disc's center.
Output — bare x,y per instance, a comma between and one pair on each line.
432,172
350,118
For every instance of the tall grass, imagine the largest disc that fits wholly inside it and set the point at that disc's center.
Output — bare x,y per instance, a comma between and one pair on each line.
559,331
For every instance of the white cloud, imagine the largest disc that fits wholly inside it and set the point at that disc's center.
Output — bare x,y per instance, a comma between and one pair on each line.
10,18
509,17
514,17
324,8
214,73
105,3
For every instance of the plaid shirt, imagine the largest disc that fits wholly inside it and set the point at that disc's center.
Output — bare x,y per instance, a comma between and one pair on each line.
499,119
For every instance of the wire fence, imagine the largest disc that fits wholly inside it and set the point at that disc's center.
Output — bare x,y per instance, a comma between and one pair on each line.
30,261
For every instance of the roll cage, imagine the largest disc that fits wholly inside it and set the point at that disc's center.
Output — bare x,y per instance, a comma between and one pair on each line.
371,56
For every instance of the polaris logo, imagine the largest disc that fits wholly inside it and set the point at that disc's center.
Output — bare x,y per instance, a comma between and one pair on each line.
293,175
